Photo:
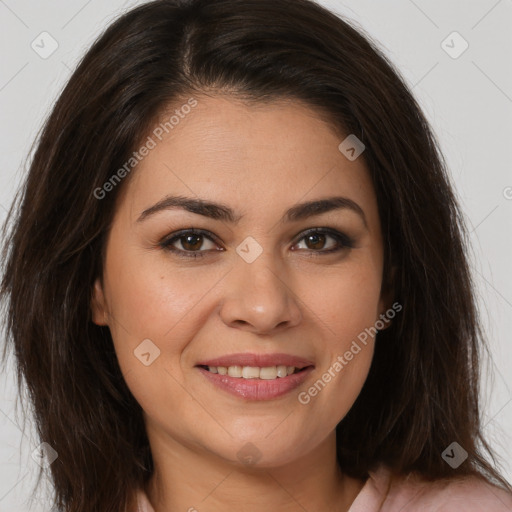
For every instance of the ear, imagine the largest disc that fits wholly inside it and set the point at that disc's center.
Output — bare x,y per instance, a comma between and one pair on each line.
98,304
387,296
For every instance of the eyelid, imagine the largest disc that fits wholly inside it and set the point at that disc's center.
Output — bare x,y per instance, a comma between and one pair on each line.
346,240
167,241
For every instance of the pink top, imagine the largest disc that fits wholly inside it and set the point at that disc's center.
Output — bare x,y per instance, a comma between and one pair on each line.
410,494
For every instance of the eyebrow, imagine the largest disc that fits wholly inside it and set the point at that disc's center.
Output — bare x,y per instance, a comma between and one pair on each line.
222,212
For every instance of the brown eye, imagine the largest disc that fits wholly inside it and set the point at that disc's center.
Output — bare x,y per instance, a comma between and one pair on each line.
189,243
315,240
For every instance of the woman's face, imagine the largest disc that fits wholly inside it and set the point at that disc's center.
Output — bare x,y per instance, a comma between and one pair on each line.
262,291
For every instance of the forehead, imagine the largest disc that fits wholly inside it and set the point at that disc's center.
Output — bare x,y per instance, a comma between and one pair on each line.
258,158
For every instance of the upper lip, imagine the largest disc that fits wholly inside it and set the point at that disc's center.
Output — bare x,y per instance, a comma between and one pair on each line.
259,360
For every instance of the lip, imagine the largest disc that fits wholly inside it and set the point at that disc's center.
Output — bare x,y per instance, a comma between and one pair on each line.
261,360
257,389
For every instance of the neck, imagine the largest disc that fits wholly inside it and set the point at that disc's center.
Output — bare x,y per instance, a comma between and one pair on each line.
190,479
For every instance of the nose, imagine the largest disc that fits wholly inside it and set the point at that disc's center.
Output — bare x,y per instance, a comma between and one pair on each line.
258,299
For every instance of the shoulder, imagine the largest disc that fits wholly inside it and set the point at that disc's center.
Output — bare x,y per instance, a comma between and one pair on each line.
142,502
411,493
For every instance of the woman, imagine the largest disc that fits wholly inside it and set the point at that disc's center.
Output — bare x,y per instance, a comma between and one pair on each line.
237,278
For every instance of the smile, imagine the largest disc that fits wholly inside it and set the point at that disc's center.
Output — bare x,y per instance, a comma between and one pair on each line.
256,376
255,372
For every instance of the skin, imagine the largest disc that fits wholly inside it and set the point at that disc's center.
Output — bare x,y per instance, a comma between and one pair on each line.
259,160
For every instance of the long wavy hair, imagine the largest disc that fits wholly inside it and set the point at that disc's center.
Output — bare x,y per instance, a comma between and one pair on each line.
422,391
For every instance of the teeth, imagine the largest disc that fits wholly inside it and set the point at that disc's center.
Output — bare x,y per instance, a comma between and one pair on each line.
250,372
282,372
268,373
254,372
235,371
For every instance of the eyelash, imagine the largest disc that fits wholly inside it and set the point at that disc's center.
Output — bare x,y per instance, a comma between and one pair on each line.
343,242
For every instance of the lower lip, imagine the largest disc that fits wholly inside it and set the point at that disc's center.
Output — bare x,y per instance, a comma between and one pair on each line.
257,389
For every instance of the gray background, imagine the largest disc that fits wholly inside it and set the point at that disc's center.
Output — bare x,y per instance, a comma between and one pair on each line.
467,99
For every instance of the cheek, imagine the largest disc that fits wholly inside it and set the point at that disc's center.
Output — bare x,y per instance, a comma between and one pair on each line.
150,299
146,298
149,302
346,299
347,306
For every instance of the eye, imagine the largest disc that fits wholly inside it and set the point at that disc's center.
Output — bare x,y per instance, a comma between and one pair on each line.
315,239
190,240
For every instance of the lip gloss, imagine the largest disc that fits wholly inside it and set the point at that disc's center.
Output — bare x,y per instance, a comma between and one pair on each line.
257,389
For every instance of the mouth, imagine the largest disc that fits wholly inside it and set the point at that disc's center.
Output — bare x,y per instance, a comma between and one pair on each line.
256,377
255,372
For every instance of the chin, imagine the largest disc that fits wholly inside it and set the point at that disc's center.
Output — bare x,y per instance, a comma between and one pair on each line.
264,451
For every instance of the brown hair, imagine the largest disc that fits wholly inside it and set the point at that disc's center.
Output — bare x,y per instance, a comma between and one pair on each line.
421,393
